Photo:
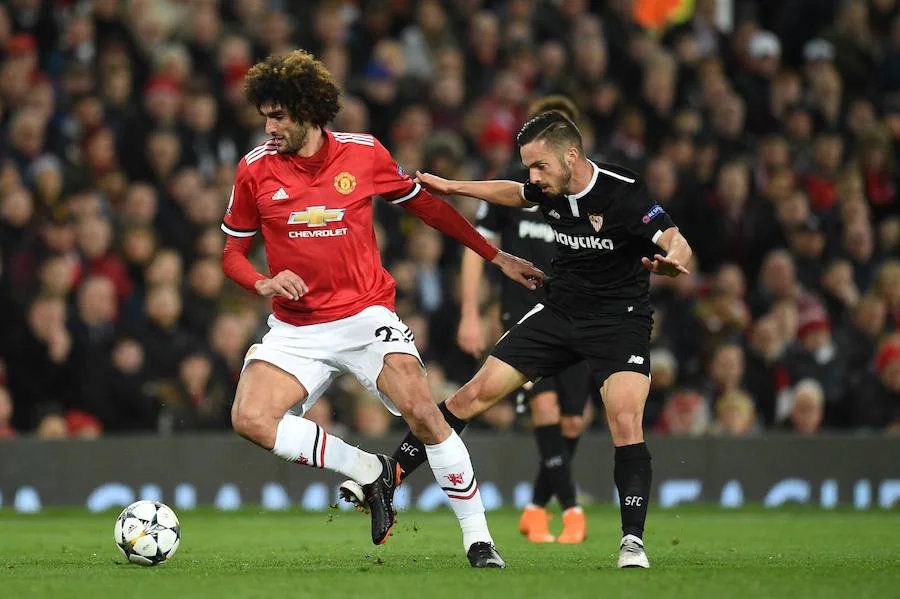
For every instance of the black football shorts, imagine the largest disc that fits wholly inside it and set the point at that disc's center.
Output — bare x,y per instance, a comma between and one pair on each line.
546,342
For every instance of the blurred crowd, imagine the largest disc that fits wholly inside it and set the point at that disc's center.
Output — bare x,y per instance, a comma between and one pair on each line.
769,129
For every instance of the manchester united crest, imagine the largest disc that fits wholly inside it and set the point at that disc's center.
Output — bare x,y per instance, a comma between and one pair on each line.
344,182
596,221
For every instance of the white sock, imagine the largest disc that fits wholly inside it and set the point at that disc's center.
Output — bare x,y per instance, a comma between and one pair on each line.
304,442
453,471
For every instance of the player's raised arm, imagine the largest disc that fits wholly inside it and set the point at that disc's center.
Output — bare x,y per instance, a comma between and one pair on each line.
502,193
398,188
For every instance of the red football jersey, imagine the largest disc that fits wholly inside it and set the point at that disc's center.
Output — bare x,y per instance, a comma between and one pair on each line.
319,225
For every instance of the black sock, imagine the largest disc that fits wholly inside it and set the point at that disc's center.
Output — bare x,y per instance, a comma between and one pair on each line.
633,475
543,491
554,466
455,423
571,445
411,453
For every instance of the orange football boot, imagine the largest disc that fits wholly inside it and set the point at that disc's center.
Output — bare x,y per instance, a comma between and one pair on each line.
574,527
534,524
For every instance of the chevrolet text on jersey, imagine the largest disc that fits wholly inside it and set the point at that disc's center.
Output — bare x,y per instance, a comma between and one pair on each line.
319,233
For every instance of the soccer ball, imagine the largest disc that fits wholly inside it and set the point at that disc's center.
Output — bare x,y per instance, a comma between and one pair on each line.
147,533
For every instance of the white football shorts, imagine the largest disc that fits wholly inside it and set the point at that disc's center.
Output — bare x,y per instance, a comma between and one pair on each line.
316,354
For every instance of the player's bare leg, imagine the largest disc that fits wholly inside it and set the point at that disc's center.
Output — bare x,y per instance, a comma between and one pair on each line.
494,381
624,395
572,427
265,393
403,381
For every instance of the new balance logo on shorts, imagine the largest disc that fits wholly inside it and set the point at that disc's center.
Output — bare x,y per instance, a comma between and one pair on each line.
636,360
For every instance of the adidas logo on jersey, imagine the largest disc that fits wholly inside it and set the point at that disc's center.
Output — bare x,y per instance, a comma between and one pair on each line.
281,194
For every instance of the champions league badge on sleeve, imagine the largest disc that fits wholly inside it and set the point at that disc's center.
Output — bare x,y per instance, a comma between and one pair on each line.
655,211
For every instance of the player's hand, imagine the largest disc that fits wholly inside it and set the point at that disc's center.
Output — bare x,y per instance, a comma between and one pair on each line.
661,265
434,184
470,336
285,284
521,271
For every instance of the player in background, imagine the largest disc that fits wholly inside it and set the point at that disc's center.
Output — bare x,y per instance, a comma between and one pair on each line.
598,300
310,190
557,403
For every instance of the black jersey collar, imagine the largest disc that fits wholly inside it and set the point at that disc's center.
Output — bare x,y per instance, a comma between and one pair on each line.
590,186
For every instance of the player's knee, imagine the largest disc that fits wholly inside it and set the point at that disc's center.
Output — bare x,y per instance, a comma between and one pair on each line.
425,421
243,423
572,426
247,419
627,424
545,410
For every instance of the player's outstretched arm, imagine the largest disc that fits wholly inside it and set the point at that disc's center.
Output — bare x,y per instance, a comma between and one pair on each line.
503,193
442,216
395,186
678,254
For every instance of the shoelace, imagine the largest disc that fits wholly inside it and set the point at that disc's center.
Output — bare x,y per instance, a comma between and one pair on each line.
631,547
485,551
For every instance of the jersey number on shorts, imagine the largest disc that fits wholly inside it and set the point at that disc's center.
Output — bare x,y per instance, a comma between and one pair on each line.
390,334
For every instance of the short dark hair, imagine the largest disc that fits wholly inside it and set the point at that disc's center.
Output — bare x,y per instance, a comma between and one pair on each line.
299,83
556,102
553,127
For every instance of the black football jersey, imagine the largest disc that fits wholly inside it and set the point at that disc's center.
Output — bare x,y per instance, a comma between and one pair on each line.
523,233
601,235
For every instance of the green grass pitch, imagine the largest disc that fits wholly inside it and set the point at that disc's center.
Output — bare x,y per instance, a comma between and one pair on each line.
695,552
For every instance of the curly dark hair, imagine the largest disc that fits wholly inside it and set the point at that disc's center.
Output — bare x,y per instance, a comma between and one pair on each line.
299,83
